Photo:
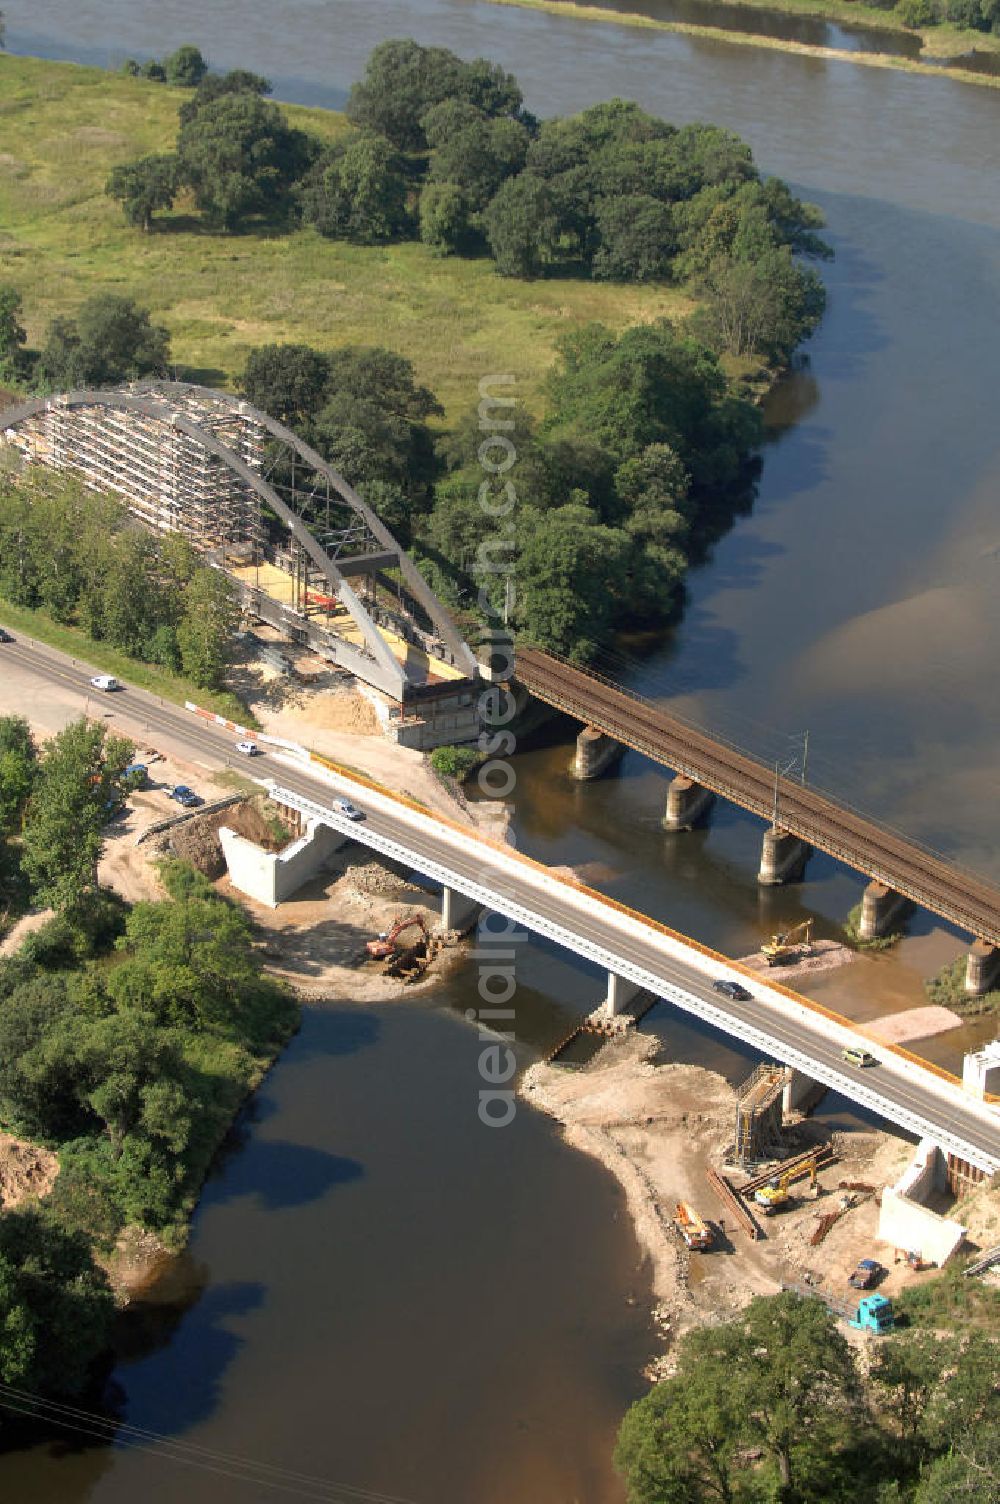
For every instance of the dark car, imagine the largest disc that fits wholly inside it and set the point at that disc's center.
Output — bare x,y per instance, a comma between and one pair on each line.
5,635
185,796
732,990
866,1274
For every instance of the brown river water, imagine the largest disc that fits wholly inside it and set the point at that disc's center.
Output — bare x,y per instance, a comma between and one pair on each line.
378,1290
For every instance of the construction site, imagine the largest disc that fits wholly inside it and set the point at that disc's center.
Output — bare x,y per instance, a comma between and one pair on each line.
305,554
735,1189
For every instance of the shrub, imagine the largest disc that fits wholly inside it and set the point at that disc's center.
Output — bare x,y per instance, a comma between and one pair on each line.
917,13
454,762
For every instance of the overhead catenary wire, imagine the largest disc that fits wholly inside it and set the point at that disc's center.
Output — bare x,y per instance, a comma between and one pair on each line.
237,1468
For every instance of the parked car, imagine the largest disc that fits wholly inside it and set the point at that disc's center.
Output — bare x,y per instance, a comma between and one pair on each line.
185,796
135,776
733,990
854,1055
5,635
107,682
868,1272
347,808
249,749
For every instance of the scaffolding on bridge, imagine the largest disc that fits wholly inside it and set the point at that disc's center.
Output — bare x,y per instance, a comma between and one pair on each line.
304,551
758,1115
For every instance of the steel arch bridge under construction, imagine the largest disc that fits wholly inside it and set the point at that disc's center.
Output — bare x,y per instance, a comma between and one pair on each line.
305,551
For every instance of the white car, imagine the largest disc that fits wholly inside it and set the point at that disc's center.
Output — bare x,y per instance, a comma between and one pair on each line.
249,749
106,682
347,808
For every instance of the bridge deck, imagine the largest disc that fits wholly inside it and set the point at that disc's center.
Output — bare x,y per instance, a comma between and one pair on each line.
881,853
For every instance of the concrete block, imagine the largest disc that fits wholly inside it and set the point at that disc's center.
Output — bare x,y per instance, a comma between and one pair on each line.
981,1071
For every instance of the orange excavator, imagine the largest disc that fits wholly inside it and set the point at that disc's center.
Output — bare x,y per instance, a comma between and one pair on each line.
387,943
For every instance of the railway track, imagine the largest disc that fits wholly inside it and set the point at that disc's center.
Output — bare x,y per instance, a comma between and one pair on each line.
881,853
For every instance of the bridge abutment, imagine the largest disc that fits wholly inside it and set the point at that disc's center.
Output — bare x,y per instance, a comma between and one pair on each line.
458,913
879,907
595,754
687,802
982,969
783,857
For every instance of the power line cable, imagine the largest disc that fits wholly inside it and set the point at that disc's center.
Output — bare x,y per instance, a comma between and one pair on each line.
192,1454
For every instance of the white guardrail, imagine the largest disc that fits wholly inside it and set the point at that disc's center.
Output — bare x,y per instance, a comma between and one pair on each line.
487,888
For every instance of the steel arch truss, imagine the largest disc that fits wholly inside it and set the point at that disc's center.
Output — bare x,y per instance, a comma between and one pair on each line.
265,508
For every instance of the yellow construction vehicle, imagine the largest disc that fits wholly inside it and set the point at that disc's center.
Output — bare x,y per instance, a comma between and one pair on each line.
788,943
776,1193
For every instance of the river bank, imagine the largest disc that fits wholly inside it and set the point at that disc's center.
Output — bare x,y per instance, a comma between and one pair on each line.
597,13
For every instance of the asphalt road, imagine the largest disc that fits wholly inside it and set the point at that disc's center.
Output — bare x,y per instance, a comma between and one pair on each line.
901,1098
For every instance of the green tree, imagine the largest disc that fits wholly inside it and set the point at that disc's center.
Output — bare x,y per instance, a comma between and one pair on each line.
373,424
403,80
636,239
56,1307
778,1380
241,159
522,226
63,828
288,382
445,219
473,151
763,307
571,576
217,86
969,1473
357,191
18,765
916,14
211,614
143,186
154,71
110,340
186,67
12,333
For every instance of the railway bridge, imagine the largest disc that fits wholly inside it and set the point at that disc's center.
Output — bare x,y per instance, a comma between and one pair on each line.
799,817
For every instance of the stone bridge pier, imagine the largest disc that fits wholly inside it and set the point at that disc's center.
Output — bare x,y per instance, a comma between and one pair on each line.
982,970
687,802
880,906
595,754
783,857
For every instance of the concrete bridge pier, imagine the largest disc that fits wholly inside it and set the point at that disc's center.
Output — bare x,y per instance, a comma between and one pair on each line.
879,907
458,912
619,994
687,801
800,1092
783,857
982,969
595,753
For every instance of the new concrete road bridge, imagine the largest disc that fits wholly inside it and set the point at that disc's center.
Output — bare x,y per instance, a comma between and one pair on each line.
799,817
633,949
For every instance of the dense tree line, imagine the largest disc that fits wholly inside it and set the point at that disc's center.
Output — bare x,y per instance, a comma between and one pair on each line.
643,453
772,1408
971,15
110,340
128,1037
444,150
77,556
